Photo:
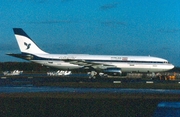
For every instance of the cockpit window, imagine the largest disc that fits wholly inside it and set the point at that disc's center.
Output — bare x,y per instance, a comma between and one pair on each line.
166,62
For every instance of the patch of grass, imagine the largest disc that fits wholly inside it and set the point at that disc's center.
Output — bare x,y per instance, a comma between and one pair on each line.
66,105
81,104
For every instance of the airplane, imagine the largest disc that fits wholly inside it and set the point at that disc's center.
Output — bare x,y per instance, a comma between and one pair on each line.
95,64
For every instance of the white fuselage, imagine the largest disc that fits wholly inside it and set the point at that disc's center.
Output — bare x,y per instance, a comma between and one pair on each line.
125,63
30,51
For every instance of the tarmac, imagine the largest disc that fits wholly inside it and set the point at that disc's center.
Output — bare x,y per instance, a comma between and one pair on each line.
41,95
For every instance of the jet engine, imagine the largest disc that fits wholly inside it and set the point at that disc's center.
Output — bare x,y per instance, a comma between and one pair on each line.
113,71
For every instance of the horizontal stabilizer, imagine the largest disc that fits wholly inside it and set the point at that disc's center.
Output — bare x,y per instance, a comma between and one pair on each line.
22,56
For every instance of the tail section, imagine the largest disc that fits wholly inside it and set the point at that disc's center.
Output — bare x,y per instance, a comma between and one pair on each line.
25,43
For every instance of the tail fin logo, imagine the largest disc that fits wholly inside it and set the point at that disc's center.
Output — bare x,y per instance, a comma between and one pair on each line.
27,45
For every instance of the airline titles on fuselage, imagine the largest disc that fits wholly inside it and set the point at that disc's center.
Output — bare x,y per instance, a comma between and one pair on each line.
119,58
112,58
67,57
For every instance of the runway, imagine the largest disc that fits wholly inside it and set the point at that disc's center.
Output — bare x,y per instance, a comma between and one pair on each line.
41,83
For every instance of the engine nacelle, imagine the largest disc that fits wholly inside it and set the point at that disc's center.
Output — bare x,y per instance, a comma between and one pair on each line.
113,71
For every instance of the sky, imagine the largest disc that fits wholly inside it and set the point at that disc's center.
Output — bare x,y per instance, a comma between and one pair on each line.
105,27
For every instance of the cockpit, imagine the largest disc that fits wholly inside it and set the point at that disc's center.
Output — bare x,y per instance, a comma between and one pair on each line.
166,62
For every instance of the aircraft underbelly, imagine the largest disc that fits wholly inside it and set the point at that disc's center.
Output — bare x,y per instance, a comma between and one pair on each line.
126,67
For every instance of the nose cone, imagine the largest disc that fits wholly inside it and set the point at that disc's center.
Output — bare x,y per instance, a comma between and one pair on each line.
170,66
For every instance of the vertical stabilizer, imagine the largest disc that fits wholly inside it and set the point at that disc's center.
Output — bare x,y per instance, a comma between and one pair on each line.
25,43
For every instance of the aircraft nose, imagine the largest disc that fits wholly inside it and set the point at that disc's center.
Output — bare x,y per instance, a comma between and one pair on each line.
171,66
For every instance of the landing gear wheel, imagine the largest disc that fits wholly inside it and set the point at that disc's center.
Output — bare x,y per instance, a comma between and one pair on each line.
93,74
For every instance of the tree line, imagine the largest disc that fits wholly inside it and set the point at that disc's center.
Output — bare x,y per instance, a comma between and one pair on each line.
25,66
29,67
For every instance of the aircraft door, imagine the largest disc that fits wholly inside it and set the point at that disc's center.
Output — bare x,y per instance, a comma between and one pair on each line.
50,60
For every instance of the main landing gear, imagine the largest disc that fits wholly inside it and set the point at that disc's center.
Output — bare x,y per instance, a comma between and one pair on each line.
95,74
92,74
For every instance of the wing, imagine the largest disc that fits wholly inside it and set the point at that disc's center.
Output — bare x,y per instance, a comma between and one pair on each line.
90,64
